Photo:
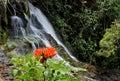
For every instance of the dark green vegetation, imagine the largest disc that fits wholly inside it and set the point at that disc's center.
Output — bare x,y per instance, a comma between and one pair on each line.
86,27
83,26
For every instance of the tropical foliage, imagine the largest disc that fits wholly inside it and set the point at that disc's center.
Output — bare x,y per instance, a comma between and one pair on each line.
82,24
30,68
109,46
109,40
85,26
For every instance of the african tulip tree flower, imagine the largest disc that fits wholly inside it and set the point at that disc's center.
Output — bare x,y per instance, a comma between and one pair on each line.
49,52
38,52
45,53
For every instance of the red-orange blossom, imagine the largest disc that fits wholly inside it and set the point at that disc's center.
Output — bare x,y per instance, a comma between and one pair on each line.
45,52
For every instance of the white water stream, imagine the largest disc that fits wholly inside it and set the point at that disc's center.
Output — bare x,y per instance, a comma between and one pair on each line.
37,26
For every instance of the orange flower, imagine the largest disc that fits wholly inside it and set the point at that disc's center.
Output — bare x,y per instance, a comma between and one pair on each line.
38,52
45,53
49,52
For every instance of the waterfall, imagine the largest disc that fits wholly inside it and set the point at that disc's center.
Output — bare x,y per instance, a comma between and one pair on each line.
37,28
17,25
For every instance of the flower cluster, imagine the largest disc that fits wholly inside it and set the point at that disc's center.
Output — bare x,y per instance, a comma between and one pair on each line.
45,53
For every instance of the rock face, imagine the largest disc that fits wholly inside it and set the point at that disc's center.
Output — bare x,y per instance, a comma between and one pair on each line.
5,67
1,56
5,73
3,59
13,7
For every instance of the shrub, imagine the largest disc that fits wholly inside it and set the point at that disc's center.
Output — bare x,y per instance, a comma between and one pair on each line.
29,68
109,47
107,44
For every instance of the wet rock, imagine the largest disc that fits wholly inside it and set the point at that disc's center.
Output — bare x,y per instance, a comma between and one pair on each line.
1,53
5,73
2,56
5,67
108,75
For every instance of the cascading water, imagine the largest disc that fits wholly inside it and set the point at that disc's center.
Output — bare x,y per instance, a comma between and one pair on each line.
18,26
37,28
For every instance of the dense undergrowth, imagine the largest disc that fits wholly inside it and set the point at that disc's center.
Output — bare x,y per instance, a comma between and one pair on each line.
29,68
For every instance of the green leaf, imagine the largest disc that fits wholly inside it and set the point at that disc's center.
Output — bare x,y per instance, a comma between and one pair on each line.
14,72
